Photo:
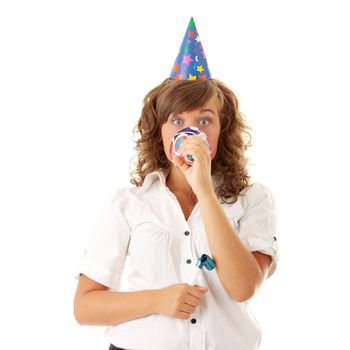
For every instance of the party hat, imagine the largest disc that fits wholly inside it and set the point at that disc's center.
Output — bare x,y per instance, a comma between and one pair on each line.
191,63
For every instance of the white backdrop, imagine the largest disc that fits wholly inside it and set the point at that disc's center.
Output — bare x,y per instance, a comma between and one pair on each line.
72,78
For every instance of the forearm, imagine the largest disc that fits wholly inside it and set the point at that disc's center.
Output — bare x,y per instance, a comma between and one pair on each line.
105,307
237,268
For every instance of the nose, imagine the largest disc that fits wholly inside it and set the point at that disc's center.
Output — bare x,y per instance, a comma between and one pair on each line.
189,119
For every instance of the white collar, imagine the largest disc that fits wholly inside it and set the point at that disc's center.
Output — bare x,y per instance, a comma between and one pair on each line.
161,175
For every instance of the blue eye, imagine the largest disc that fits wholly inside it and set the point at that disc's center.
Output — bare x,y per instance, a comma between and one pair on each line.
176,121
204,122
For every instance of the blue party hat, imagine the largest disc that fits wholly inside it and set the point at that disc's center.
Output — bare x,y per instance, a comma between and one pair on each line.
191,63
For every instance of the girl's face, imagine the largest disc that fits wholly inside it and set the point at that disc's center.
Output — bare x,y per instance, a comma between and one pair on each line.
206,119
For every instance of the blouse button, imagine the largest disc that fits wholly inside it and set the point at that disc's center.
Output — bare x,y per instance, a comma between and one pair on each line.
193,320
187,233
188,261
275,238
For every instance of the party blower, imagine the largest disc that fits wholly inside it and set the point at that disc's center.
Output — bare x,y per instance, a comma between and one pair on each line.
206,261
180,137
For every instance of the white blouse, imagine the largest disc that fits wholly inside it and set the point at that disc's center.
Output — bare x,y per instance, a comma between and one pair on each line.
146,226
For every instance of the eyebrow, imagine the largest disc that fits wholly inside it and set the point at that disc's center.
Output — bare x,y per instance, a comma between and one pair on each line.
201,111
207,110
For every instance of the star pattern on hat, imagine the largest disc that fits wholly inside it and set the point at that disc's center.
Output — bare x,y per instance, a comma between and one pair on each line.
191,62
187,59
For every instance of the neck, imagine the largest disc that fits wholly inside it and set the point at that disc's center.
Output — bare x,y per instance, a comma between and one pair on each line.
177,183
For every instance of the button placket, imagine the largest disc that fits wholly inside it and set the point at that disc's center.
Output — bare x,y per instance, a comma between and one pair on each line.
195,329
195,317
187,235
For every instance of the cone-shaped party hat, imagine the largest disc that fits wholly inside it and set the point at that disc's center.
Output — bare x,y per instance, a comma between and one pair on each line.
191,63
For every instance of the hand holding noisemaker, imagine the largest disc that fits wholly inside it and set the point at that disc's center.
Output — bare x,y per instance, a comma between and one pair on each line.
180,137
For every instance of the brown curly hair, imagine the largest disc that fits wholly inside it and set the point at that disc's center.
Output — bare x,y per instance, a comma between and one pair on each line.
176,96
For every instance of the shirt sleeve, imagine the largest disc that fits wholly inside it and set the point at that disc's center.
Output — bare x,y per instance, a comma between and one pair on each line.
257,226
104,259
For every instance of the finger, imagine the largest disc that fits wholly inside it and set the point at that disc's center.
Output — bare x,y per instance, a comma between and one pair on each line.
184,315
181,164
195,141
202,157
193,148
189,150
188,308
184,167
178,161
191,300
197,292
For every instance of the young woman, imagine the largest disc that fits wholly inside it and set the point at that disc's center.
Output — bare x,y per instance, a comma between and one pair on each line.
175,213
